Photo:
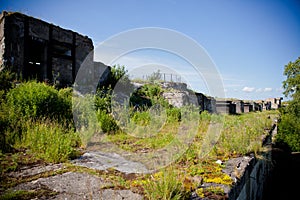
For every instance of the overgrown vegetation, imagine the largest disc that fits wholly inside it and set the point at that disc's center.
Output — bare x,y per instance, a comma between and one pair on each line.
165,185
38,117
36,120
49,141
289,126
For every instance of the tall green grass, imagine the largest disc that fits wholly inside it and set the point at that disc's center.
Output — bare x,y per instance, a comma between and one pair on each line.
243,134
49,140
165,185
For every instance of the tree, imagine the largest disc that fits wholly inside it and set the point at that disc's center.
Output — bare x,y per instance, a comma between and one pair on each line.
292,87
289,126
292,84
119,75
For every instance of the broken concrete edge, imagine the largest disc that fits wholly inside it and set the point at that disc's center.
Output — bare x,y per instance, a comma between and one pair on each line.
250,173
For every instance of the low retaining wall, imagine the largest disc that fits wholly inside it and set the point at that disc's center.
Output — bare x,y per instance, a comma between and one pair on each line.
254,172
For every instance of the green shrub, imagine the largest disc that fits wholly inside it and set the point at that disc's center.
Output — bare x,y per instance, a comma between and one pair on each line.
103,100
151,90
119,76
32,100
64,105
174,114
107,122
242,134
155,77
288,132
6,80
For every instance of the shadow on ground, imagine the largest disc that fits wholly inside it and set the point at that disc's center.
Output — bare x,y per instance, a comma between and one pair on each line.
284,181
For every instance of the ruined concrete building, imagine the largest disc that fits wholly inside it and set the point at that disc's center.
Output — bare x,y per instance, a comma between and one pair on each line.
36,49
274,103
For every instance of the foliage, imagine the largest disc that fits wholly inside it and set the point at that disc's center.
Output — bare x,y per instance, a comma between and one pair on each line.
243,134
49,141
6,80
174,114
292,83
288,127
107,122
103,99
151,91
19,194
148,95
32,100
120,78
141,118
288,132
26,194
164,185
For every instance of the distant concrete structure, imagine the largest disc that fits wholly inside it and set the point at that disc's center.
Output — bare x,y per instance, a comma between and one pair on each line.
274,103
239,106
248,107
35,49
206,103
256,106
225,106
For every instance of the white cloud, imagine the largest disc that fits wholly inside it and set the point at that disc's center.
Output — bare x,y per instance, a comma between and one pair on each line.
248,89
268,89
259,90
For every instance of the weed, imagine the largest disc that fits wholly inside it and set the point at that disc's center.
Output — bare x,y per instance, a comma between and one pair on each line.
164,185
49,141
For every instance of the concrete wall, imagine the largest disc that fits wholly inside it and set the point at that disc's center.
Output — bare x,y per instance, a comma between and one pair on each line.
36,49
227,107
239,105
255,173
206,103
275,103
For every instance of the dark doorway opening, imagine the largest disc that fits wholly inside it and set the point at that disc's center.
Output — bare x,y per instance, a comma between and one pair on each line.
35,61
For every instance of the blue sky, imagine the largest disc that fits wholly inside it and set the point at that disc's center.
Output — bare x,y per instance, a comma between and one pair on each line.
249,41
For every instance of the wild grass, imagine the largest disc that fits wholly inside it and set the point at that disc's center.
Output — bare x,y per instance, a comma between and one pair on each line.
240,135
49,140
244,133
164,185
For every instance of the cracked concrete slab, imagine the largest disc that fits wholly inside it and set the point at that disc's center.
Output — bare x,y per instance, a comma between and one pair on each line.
35,170
102,161
77,186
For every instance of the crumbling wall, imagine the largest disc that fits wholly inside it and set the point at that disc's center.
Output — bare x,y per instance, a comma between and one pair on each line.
11,41
227,107
36,49
250,173
274,103
177,98
178,95
239,105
